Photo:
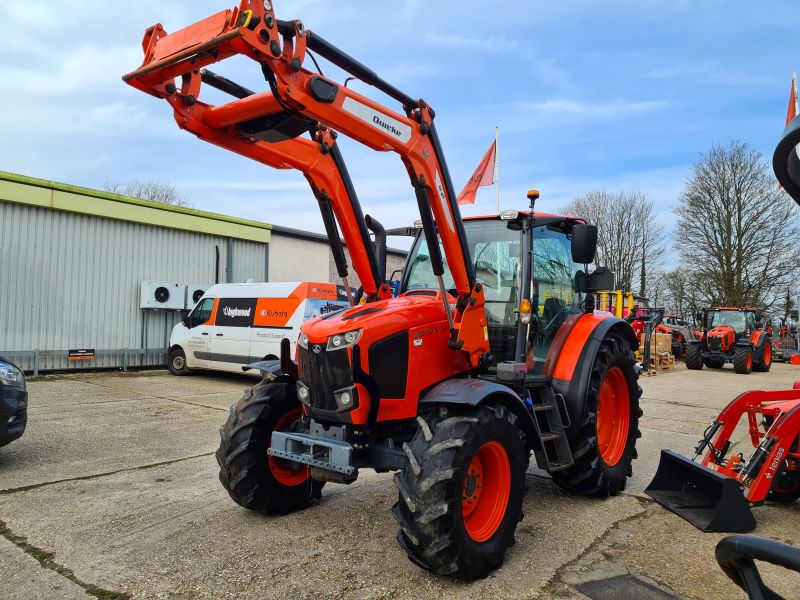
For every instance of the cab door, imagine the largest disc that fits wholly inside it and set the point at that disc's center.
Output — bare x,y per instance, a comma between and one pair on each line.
229,342
200,326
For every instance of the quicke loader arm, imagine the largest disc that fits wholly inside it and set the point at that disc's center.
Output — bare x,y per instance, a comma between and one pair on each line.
265,126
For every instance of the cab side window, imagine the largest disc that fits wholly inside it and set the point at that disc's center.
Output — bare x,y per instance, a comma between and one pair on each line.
751,322
201,312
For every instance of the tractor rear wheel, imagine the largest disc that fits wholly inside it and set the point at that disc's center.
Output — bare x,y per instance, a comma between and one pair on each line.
765,357
603,439
713,364
252,478
742,359
461,490
694,357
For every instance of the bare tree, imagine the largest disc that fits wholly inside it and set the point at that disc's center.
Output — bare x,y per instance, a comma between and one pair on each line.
736,230
154,191
629,241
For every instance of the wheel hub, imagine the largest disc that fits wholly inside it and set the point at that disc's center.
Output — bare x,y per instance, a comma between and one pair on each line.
485,492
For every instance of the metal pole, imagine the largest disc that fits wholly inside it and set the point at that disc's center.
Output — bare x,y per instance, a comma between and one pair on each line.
497,169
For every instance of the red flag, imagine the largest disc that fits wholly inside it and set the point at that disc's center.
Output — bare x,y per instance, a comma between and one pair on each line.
483,175
791,112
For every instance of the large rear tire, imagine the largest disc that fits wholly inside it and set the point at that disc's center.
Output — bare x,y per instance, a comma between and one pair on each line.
603,439
252,478
742,359
764,361
694,357
461,490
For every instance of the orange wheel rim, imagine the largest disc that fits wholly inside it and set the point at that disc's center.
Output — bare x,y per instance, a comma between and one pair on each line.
487,488
767,355
748,362
613,416
282,470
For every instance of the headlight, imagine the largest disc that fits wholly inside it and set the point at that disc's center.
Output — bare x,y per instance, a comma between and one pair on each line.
10,375
343,340
302,341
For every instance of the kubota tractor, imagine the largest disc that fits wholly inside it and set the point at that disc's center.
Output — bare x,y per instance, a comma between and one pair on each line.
730,335
453,383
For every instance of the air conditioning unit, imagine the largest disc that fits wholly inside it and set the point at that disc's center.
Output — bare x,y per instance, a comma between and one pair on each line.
166,295
195,291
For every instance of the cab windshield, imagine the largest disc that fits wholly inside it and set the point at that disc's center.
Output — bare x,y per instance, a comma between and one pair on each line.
495,251
734,318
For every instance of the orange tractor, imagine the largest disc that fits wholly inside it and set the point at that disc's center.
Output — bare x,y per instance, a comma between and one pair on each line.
454,382
730,335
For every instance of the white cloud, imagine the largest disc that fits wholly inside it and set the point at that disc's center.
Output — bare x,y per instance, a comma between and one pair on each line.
612,109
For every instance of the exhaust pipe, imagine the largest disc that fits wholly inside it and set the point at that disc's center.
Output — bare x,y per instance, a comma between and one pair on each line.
379,245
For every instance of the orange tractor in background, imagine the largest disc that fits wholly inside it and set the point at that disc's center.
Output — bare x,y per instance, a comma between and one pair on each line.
454,382
730,335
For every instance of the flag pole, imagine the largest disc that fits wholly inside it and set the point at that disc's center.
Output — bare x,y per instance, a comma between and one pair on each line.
497,168
794,87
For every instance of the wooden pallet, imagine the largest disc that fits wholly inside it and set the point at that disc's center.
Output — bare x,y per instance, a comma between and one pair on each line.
663,361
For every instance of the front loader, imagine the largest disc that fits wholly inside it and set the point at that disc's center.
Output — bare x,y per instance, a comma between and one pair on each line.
716,489
457,380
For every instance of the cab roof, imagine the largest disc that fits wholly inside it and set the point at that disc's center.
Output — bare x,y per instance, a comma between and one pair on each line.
526,213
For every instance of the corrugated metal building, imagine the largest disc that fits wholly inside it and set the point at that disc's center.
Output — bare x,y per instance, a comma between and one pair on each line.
72,261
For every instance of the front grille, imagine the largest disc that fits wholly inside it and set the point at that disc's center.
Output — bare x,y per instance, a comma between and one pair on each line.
715,343
324,372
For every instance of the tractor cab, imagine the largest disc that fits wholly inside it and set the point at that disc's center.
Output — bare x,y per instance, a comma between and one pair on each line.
530,281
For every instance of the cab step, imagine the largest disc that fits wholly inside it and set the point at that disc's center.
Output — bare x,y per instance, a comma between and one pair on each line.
551,418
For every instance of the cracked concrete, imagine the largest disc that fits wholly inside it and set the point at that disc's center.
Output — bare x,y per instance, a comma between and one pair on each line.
112,493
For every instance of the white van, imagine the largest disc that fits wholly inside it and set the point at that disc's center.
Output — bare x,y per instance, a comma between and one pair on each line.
235,324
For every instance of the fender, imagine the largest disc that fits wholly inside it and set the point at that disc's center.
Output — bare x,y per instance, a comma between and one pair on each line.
572,362
265,366
474,392
759,338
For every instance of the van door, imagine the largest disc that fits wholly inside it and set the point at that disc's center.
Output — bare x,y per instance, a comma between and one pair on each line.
200,326
275,319
229,345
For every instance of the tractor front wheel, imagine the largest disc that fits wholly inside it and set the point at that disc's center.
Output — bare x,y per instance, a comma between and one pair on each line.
252,478
603,438
461,490
694,357
742,359
786,488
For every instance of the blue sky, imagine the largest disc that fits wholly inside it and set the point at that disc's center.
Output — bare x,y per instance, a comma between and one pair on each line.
616,95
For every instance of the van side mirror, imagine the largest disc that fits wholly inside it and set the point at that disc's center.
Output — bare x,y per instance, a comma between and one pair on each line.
584,244
185,321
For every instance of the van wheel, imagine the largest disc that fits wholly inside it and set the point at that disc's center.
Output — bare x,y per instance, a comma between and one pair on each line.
176,362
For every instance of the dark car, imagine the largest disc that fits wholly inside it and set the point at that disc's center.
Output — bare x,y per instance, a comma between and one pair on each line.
13,402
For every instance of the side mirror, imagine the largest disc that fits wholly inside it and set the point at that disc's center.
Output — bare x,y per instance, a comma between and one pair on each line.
584,245
185,321
602,278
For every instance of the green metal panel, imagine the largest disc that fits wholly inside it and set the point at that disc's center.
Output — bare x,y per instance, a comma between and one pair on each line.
59,196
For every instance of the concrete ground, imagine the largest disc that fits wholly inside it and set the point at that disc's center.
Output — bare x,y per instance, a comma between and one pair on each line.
113,493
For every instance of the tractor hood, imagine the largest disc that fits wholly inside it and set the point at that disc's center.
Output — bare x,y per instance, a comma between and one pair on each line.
381,318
